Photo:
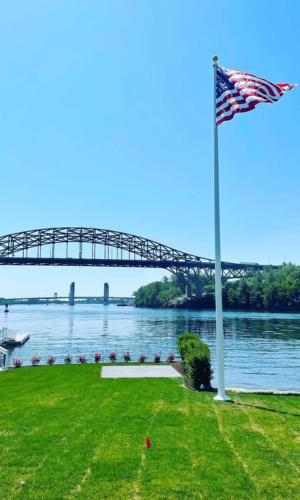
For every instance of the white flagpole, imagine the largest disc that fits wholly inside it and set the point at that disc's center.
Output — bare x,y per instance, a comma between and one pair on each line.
218,282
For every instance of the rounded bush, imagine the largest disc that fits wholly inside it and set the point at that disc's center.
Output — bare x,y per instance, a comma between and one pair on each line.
198,365
186,336
185,342
196,357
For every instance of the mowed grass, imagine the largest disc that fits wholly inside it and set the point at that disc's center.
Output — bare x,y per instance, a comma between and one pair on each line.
65,433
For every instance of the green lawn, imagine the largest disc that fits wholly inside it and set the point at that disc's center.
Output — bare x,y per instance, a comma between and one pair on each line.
66,433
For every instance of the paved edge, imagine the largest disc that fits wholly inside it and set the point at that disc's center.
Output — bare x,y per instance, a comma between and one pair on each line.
262,392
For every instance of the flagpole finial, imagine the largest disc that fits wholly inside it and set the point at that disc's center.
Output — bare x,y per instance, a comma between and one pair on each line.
215,58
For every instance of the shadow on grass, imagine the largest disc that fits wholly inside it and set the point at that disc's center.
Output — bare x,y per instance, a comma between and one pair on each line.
265,409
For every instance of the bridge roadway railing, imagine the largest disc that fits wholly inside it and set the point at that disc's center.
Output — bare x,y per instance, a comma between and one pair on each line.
229,270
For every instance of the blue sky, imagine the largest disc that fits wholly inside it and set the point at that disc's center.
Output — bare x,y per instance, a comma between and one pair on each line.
107,121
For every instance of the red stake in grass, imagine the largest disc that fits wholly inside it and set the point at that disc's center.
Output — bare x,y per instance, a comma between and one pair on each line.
94,373
148,442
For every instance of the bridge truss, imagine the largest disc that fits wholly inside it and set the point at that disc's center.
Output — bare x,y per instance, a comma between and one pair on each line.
130,251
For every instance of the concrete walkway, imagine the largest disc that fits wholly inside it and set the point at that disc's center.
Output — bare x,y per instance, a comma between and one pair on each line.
139,371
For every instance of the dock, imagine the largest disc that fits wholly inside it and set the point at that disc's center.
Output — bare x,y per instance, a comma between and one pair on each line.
19,340
8,338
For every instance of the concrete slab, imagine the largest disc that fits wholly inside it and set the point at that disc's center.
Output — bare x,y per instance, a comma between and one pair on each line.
139,371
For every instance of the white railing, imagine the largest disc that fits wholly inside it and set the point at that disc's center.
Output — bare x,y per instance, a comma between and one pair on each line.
6,334
3,359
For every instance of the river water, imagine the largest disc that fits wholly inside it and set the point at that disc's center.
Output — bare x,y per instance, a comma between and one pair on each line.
262,350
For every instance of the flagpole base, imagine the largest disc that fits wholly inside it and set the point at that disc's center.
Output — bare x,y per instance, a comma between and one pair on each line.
221,397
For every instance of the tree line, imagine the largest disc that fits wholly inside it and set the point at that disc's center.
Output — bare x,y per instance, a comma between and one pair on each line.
270,289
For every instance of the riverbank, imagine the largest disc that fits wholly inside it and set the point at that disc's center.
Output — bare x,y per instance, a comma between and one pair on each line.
268,290
205,304
68,433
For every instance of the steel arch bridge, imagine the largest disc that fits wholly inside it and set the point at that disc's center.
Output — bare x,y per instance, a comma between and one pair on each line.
130,251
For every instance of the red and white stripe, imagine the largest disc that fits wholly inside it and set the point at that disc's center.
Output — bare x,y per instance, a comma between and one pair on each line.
249,91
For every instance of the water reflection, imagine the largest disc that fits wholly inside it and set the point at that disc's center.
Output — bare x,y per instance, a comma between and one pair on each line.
261,349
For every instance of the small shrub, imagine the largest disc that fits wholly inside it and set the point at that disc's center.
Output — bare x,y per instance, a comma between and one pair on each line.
68,359
81,358
196,357
113,356
198,365
17,362
35,360
126,356
142,358
157,358
51,360
97,357
170,357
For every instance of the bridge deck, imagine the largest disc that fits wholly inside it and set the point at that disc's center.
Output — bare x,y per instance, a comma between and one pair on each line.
62,261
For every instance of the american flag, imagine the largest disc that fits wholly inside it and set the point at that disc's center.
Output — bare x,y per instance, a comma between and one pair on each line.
239,92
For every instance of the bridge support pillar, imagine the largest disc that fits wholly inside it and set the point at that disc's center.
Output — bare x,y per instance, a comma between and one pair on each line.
188,290
72,294
106,294
198,290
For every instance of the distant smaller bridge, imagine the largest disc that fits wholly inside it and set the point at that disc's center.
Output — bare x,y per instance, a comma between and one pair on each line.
54,299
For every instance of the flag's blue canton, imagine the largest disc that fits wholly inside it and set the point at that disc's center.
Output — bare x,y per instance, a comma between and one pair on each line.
223,83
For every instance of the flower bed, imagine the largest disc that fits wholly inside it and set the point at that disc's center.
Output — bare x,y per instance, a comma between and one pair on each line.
126,356
51,360
68,359
142,358
98,357
17,362
35,360
170,357
81,359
